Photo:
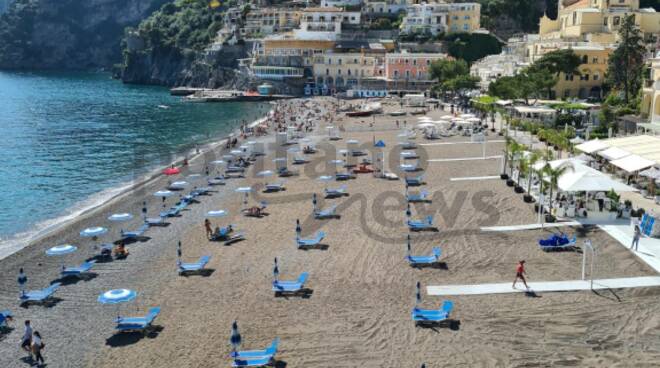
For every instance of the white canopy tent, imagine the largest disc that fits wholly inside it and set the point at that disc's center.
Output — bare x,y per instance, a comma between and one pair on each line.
577,164
591,181
632,163
592,146
613,153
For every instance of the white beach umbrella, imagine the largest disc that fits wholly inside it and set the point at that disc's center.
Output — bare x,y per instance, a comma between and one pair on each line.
217,162
120,217
60,250
446,117
425,125
352,141
473,120
163,194
178,185
93,232
116,297
217,213
467,116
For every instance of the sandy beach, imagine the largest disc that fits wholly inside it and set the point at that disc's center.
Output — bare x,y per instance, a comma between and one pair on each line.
362,288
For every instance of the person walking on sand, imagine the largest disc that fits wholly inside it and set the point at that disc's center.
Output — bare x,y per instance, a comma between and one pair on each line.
635,241
37,346
520,274
209,228
26,340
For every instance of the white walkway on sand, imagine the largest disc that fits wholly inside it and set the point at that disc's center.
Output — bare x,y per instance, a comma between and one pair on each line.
471,178
529,226
464,159
648,250
572,285
453,143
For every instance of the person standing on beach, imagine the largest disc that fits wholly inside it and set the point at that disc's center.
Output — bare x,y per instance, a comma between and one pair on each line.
209,228
520,274
26,340
37,346
635,241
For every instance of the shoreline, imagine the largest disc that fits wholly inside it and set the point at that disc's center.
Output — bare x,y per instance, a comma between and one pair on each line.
22,240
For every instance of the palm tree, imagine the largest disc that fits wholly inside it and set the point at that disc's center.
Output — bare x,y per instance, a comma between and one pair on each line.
532,159
553,175
514,151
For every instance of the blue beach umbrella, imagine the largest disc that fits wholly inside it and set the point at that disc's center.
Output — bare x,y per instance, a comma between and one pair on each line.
235,339
60,250
276,270
116,297
93,232
22,280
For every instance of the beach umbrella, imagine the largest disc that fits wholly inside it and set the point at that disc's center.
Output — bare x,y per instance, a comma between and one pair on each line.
178,250
171,171
116,297
276,270
408,213
178,185
425,125
314,201
22,279
473,120
60,250
246,191
228,157
298,228
467,116
352,141
163,194
337,162
235,339
93,232
409,249
418,294
446,117
651,173
265,173
217,213
121,217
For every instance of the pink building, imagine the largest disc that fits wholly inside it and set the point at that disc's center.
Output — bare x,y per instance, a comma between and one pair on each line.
407,67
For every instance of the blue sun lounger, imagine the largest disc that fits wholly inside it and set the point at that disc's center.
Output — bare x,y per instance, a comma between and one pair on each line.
344,176
290,287
432,316
415,181
409,167
39,296
305,243
252,362
137,323
299,161
425,260
556,243
134,234
325,214
155,221
426,224
174,211
78,271
408,145
4,316
268,352
332,193
193,267
418,197
275,187
409,155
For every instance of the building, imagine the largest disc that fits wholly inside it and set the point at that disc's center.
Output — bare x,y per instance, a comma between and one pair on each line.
409,72
384,7
435,18
588,27
342,71
266,21
650,108
492,67
325,22
340,3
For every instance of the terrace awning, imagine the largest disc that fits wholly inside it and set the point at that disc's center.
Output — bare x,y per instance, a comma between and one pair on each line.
632,163
592,146
590,181
613,153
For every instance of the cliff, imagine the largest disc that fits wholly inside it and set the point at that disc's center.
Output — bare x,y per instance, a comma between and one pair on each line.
67,34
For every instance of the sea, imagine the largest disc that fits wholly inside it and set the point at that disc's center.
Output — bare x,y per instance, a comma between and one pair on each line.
71,141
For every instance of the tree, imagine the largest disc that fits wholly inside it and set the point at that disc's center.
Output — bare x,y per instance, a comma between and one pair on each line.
504,88
559,61
472,46
626,63
452,76
553,175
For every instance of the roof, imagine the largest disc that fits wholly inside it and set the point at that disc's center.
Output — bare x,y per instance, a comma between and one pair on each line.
645,146
534,109
633,163
613,153
592,146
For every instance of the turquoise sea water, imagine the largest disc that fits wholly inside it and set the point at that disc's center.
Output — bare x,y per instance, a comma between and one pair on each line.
68,139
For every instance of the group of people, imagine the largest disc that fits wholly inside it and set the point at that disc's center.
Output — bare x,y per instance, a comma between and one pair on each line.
32,343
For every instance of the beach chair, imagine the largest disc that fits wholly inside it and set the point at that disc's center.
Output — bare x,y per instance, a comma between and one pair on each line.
389,176
420,225
290,287
334,193
4,317
297,160
432,316
198,266
268,352
78,271
417,261
216,181
200,191
234,169
357,153
39,296
125,235
274,187
283,172
176,210
415,181
313,242
418,197
326,214
142,324
408,145
224,234
252,362
344,176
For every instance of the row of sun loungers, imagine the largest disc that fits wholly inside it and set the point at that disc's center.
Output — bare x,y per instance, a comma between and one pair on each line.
422,196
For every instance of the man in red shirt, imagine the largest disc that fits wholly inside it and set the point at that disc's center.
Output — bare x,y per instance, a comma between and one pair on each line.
520,274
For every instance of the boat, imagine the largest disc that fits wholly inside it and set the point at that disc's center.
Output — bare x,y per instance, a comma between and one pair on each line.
367,110
397,113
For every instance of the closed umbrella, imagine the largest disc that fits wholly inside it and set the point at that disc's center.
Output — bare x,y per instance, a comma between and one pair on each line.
298,228
217,213
314,201
116,297
418,294
235,338
276,270
409,249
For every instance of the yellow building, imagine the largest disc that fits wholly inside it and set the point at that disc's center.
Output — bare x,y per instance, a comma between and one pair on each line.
590,28
265,21
341,71
464,17
650,107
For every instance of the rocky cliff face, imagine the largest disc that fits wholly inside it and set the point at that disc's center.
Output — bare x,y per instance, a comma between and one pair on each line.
68,34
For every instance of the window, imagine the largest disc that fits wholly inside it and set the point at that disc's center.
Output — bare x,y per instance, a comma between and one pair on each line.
466,17
339,71
329,61
455,17
349,72
616,21
396,74
466,27
567,93
594,60
596,76
605,21
428,62
327,72
339,61
585,59
407,74
406,61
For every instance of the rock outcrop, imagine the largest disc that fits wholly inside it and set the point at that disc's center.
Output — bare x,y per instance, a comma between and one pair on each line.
68,34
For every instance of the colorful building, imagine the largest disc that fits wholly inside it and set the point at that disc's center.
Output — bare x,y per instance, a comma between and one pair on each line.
434,18
407,71
265,21
650,107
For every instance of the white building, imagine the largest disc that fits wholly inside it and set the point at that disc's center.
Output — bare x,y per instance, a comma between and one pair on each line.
325,23
340,3
425,18
381,7
492,67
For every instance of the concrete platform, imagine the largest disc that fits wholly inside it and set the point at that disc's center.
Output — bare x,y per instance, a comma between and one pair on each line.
471,178
464,159
546,225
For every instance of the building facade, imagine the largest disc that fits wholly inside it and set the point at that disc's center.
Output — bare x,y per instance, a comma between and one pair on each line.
407,71
435,18
343,71
266,21
650,107
492,67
